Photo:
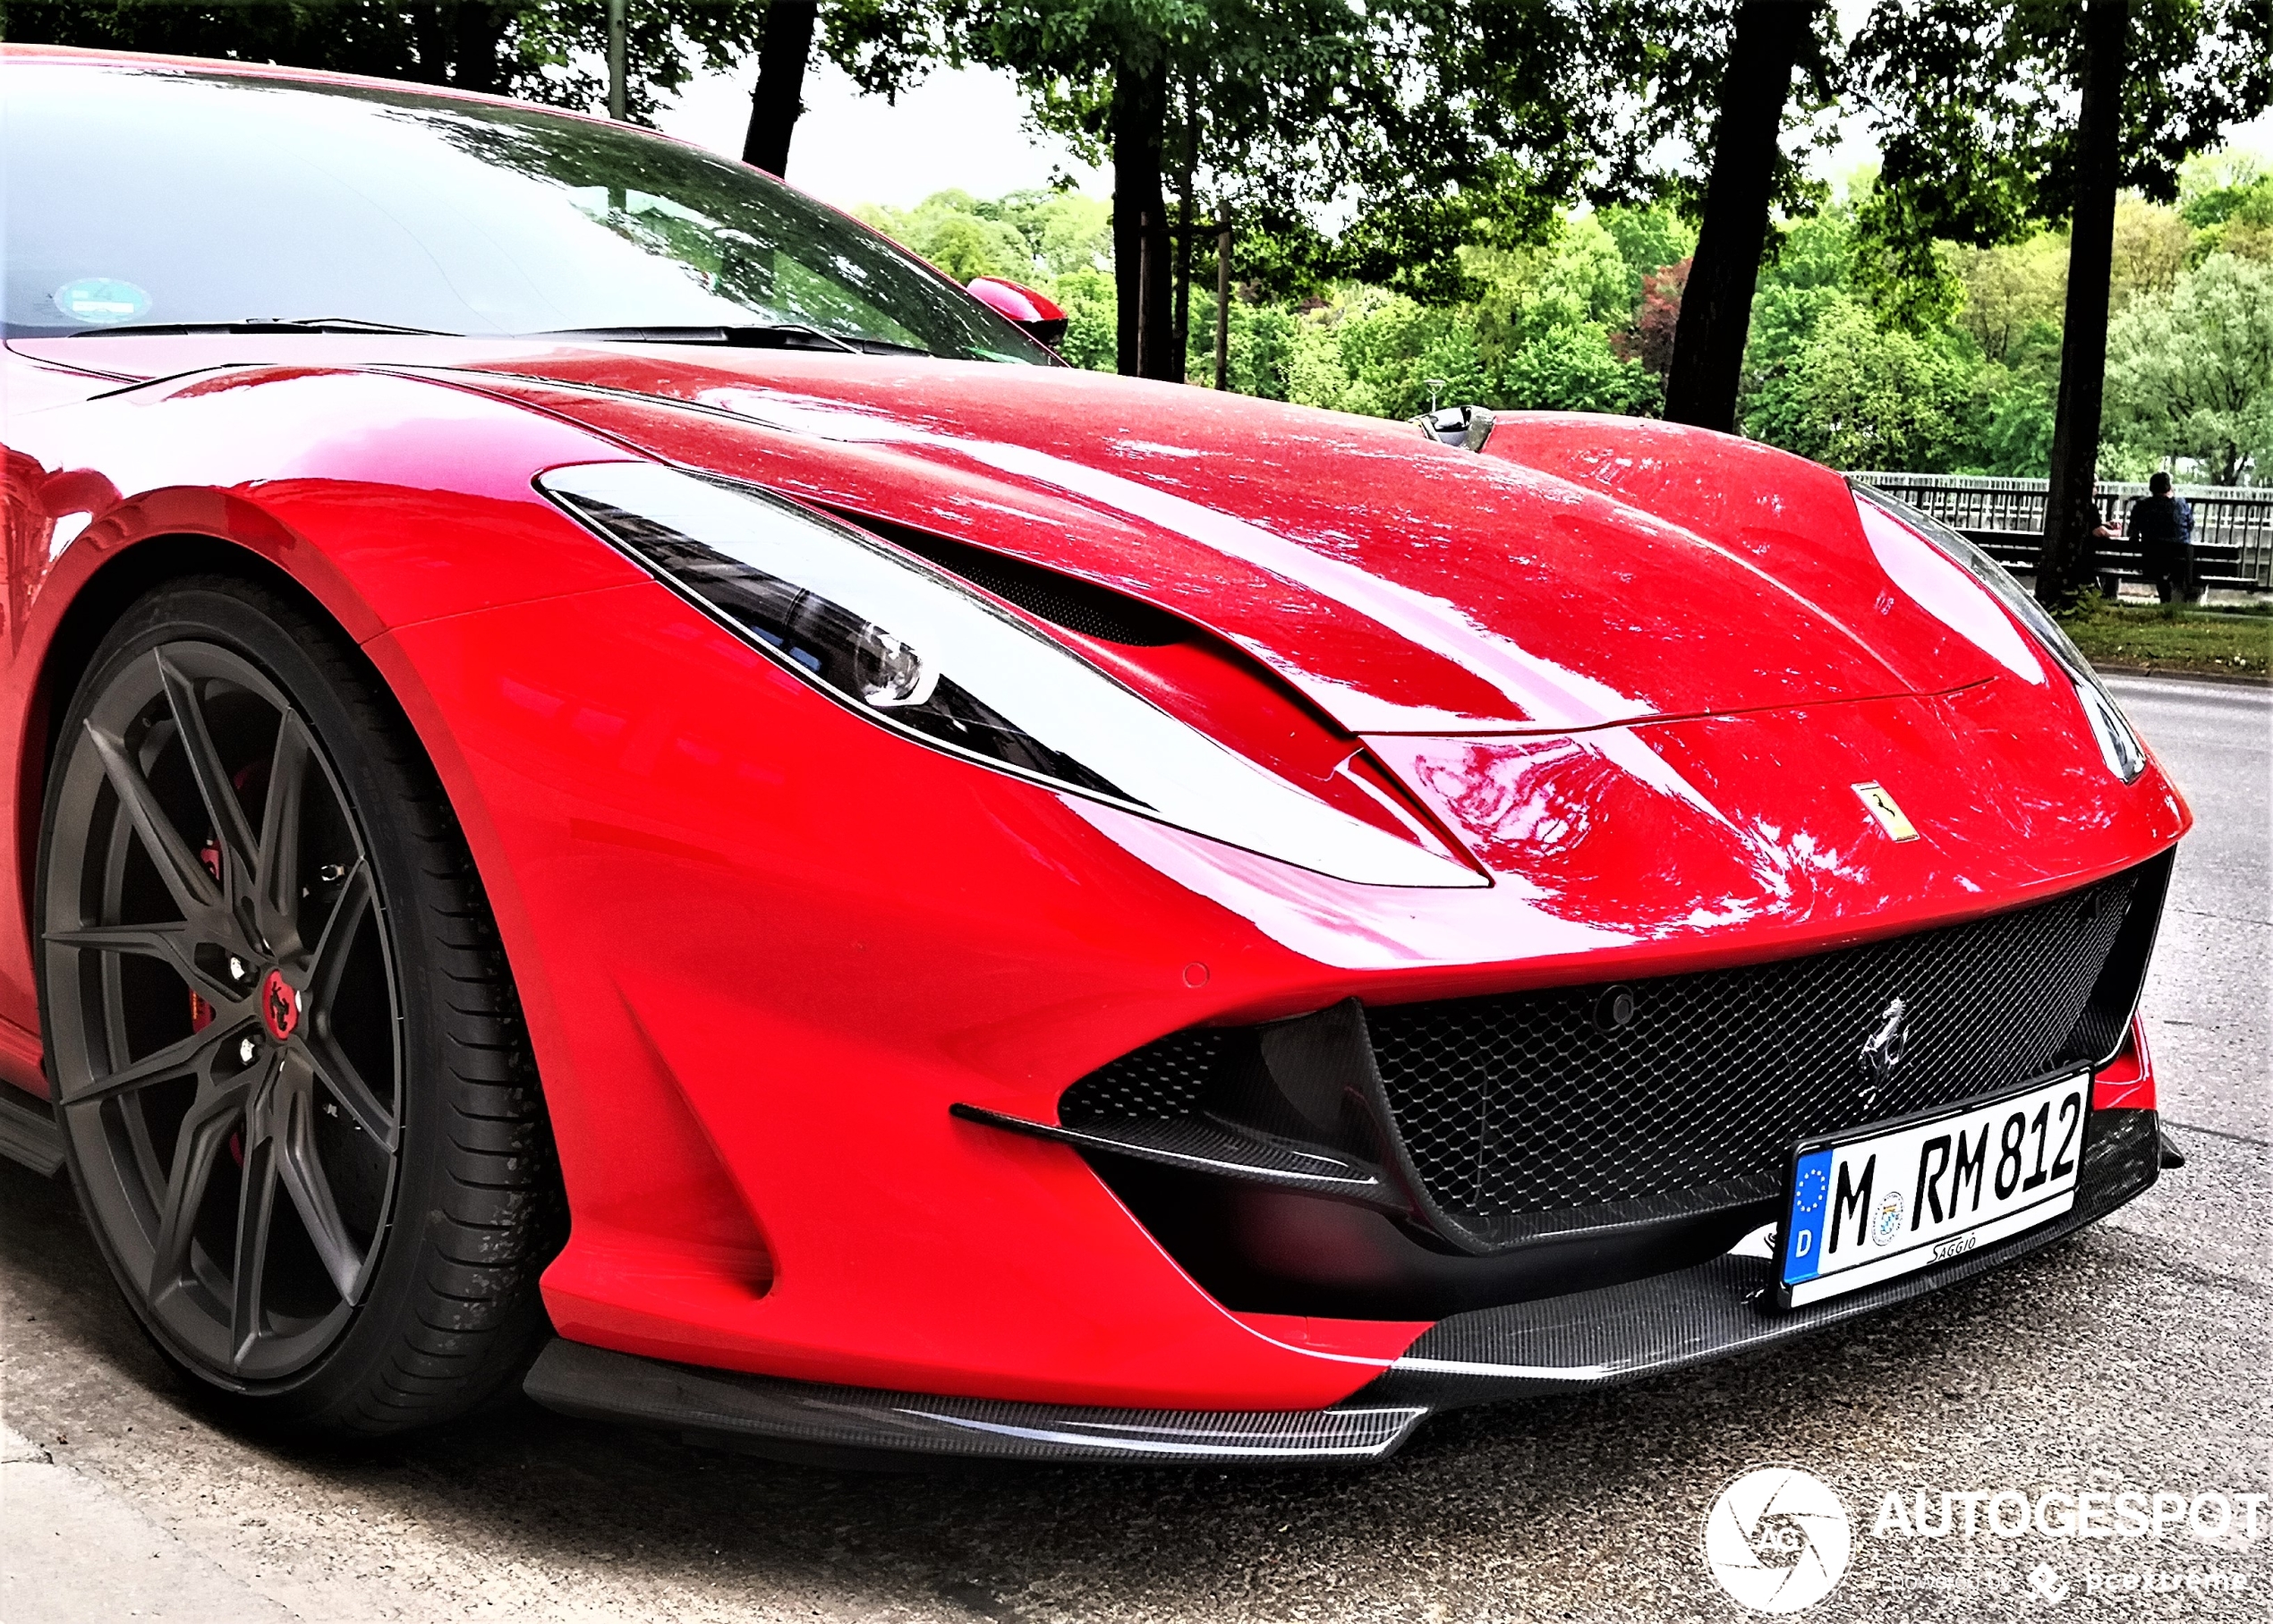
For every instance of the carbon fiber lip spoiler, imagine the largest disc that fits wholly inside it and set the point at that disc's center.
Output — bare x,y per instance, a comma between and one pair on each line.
1564,1344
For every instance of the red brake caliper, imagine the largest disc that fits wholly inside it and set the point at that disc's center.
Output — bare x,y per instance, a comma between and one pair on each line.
201,1012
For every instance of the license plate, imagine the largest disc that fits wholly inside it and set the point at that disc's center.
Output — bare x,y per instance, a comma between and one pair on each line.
1884,1201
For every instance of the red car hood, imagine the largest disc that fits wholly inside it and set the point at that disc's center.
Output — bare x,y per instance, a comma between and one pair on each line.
1404,585
1584,571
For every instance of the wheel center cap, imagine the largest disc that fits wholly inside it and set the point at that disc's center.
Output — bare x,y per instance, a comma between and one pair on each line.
279,1006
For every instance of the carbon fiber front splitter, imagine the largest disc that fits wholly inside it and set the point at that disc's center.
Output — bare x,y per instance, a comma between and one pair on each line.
1564,1344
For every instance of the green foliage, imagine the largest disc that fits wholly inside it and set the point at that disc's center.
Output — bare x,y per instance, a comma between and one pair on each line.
1962,380
1371,350
1855,395
1261,348
2190,372
1093,311
1974,106
2170,638
2229,202
2215,187
2013,292
948,229
1648,239
528,49
1572,367
2152,245
1027,236
2016,439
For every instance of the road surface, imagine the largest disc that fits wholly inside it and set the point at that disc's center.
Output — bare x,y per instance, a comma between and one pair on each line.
2132,1358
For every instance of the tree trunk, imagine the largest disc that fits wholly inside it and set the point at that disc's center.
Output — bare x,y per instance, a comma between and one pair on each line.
2066,563
784,47
1222,307
1142,255
430,38
478,32
1716,302
1185,226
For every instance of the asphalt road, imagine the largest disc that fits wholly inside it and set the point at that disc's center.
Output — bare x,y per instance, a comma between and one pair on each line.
2133,1357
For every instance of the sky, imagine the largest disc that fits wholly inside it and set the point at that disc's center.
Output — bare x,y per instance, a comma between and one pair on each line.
965,128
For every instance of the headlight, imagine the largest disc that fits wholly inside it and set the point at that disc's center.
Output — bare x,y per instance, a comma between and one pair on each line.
918,653
2125,757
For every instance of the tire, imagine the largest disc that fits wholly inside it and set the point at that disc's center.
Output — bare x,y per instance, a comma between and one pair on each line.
298,1104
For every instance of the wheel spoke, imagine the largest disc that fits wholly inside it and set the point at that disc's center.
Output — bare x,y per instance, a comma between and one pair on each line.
175,944
310,1187
338,937
256,1207
191,1056
277,876
193,890
212,776
204,1135
346,1085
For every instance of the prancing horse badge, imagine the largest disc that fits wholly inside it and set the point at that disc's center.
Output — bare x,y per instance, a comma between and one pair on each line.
1883,808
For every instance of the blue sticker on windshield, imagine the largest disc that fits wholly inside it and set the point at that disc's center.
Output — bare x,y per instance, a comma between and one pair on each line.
100,299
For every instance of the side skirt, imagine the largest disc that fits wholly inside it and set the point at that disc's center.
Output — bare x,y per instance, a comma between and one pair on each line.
28,1132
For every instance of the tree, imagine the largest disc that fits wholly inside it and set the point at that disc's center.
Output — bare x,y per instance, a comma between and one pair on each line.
1267,106
527,49
2012,289
2190,372
777,101
2229,202
1855,395
1769,40
1437,123
2064,564
2152,245
1650,339
883,45
1997,115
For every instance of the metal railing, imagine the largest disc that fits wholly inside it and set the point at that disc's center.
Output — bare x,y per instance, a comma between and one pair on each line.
2233,527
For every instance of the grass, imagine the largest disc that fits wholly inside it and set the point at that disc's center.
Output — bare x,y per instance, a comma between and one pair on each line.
2214,642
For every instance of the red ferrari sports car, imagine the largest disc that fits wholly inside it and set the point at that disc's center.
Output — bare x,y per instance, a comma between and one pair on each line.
620,786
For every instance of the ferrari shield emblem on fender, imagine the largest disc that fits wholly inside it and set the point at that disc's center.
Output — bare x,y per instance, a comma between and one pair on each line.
1883,808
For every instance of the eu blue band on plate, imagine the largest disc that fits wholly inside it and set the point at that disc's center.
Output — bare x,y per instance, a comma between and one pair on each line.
1810,1191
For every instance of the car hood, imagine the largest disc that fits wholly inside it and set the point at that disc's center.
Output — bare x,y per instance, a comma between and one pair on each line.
1586,571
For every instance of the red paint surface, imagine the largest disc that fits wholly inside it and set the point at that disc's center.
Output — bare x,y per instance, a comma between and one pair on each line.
1015,299
2127,1082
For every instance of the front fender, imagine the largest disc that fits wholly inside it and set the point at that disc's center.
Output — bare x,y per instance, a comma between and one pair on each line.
389,500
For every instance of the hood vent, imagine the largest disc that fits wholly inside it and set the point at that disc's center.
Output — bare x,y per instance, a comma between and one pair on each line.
1078,605
1465,426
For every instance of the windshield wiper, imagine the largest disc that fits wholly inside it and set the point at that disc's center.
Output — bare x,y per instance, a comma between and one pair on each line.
752,336
261,324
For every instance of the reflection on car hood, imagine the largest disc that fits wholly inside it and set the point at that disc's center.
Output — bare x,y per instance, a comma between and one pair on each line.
1585,570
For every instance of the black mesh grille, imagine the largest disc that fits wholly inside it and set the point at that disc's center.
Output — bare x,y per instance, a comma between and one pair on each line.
1163,1079
1541,1102
1534,1101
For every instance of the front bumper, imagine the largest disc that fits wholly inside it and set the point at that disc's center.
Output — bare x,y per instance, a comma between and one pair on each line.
764,947
1584,1339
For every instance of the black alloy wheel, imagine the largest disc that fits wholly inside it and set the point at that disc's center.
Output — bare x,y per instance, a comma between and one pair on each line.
277,1022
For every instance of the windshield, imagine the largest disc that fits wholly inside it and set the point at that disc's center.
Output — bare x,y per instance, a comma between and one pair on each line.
141,197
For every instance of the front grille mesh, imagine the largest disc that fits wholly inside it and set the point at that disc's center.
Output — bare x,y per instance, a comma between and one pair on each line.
1529,1103
1162,1079
1538,1103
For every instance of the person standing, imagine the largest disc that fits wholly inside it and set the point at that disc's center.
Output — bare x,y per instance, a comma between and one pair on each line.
2162,528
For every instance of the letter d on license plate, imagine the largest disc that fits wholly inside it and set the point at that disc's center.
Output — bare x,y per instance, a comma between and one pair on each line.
1900,1195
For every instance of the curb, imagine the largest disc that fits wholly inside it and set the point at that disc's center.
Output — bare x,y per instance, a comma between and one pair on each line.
2238,679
